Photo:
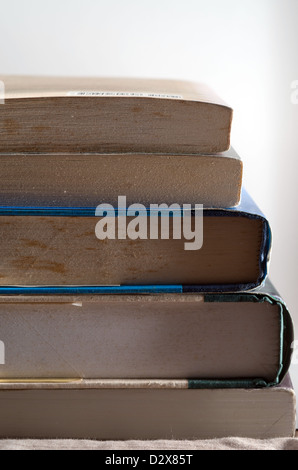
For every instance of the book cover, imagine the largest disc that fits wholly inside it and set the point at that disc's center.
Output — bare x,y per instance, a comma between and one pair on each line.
126,410
76,179
211,340
108,115
57,250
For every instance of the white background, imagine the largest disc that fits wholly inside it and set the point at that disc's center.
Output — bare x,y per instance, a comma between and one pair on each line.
246,50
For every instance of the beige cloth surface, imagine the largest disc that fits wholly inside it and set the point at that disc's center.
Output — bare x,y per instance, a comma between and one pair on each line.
230,443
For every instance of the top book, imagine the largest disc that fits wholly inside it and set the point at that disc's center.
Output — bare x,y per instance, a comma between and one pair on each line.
108,115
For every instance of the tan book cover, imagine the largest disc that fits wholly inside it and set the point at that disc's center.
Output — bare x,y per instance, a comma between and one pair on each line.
106,115
128,410
225,339
76,179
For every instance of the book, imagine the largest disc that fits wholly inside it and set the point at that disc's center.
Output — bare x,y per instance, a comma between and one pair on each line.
88,179
111,115
213,340
62,247
129,410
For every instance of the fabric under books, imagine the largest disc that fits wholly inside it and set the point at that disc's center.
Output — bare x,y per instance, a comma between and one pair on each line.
121,410
58,246
108,115
213,340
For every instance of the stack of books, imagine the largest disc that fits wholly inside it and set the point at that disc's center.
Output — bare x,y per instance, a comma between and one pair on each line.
134,296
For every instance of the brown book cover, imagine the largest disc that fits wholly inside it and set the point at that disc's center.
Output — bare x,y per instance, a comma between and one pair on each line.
128,410
112,115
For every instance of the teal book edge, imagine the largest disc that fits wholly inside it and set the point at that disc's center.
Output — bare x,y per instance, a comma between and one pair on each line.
265,293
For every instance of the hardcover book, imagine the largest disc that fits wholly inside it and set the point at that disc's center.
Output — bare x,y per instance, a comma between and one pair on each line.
111,115
60,247
240,339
